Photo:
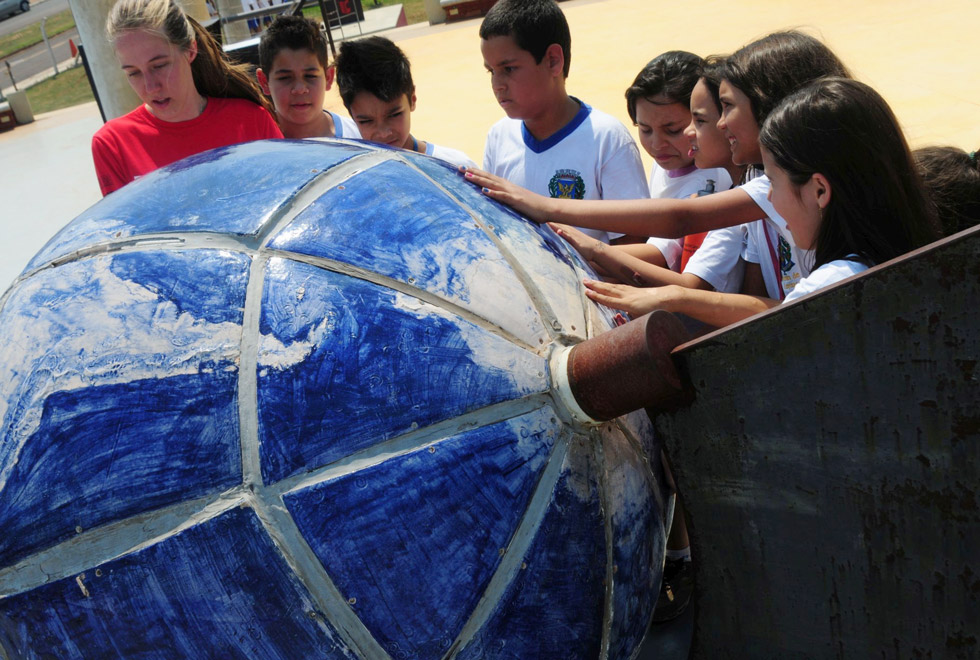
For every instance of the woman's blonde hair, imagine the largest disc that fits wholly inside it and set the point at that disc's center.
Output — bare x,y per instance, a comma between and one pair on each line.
214,74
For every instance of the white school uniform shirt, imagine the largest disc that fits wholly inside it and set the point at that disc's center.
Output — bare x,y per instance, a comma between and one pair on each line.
592,157
345,127
718,261
454,156
770,244
681,184
828,274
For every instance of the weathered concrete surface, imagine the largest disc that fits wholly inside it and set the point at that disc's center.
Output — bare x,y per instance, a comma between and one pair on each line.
116,95
830,466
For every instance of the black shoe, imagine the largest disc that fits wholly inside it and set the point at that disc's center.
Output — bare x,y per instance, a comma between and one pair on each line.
676,589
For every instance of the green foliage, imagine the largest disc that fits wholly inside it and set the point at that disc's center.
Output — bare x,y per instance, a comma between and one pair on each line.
66,89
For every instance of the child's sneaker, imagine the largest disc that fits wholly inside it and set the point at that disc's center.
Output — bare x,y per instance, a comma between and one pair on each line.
676,589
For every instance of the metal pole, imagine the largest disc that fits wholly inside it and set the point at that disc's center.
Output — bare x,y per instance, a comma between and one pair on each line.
11,74
327,20
47,42
91,80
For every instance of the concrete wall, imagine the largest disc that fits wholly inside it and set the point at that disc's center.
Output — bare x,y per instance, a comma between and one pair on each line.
115,94
829,468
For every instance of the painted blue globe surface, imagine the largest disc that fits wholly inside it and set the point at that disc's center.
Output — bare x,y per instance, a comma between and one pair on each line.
296,400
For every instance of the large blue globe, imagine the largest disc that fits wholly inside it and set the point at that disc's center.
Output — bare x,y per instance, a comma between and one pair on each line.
297,400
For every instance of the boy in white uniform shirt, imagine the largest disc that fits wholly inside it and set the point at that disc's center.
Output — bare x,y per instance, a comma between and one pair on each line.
294,72
550,142
376,86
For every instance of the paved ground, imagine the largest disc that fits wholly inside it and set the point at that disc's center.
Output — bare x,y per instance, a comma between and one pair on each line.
918,55
39,9
30,62
46,179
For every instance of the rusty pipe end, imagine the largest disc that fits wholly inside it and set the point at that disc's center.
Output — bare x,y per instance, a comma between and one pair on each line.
626,369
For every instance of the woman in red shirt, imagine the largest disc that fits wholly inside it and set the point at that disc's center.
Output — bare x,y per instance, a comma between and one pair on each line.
193,98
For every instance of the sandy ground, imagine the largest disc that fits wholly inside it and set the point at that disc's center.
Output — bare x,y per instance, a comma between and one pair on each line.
919,55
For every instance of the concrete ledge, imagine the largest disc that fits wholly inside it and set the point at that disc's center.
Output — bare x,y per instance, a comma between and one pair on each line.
459,9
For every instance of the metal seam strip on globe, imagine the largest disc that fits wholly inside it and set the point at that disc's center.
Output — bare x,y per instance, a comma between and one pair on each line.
96,546
326,180
403,287
248,408
414,440
545,311
512,560
607,608
331,603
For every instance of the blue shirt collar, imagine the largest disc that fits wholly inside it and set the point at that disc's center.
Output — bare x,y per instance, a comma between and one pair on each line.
539,146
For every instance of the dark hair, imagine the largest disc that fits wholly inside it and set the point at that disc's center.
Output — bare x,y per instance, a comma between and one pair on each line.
294,33
374,65
710,74
533,25
214,74
672,75
952,181
770,69
845,131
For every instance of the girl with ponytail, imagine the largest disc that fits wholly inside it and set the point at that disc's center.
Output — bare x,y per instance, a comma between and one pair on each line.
194,99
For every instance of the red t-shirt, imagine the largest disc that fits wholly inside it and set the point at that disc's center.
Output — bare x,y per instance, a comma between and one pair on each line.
691,244
130,146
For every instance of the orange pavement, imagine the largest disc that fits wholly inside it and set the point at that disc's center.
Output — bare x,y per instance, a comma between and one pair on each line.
921,56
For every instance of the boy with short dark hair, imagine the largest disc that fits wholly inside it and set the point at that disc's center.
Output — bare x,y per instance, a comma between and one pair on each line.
550,142
293,70
375,81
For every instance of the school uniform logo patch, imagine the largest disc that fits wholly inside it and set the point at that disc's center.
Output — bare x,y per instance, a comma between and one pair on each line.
567,184
790,275
786,262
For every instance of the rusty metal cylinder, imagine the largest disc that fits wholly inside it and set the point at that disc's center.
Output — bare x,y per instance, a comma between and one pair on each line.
628,368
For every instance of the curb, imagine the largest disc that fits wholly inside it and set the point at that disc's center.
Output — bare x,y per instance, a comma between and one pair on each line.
27,83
